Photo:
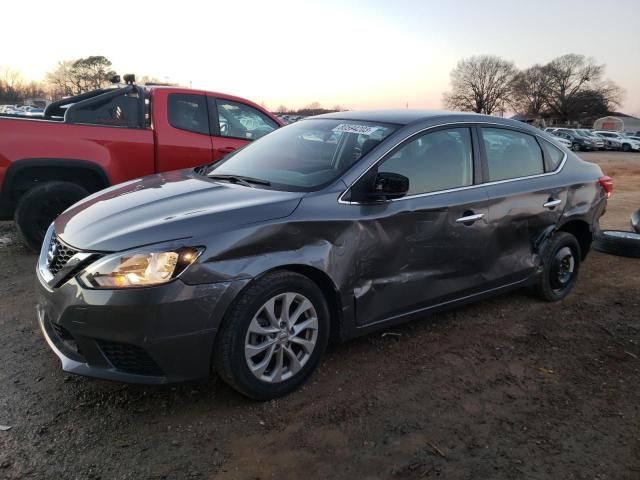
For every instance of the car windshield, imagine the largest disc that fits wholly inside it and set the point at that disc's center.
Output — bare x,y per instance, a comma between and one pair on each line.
304,156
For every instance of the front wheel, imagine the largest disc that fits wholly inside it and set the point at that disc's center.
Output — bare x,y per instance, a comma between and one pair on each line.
273,337
575,147
38,207
626,147
561,264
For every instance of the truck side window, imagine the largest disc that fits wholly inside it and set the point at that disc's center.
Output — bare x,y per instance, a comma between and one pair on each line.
242,121
188,112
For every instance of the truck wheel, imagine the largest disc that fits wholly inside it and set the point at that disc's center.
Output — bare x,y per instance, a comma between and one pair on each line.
618,242
273,337
561,264
38,207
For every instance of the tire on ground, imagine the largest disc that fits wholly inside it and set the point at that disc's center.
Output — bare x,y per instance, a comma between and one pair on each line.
544,288
38,207
635,221
228,357
618,242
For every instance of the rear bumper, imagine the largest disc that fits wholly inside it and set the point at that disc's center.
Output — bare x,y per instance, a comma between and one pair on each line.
156,335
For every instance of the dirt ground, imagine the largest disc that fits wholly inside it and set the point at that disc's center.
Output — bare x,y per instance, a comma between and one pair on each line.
509,388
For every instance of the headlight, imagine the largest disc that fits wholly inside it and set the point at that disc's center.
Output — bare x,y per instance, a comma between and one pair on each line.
139,268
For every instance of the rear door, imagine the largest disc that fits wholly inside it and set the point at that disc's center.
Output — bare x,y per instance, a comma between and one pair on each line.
526,199
429,246
234,124
182,130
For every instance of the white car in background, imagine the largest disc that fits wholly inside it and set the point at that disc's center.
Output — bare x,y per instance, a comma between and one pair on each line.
561,140
619,141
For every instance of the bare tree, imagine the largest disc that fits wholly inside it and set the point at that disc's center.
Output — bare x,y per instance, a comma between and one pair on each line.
71,77
530,90
570,78
283,109
482,84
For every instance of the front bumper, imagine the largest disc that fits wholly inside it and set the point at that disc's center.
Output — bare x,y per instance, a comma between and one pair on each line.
155,335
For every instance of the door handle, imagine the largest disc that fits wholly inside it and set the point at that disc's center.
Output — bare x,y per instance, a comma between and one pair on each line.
470,218
552,203
226,149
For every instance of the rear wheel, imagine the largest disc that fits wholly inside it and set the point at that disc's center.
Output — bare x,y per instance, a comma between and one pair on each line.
38,207
561,264
273,337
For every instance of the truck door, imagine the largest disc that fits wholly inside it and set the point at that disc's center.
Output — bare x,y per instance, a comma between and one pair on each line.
181,128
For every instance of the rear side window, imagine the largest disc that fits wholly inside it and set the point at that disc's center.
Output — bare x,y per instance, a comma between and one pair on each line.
188,112
434,161
511,154
242,121
553,156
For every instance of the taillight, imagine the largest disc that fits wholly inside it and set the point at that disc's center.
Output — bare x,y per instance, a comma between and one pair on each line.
607,185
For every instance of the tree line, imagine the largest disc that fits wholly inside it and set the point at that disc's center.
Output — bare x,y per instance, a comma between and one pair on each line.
69,77
570,87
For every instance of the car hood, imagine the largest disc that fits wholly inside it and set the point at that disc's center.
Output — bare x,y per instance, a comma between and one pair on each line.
166,207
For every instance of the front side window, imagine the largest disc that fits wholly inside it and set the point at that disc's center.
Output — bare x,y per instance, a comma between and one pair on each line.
188,112
511,154
305,155
434,161
242,121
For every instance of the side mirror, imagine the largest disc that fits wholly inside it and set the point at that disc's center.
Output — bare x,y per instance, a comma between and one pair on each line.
385,186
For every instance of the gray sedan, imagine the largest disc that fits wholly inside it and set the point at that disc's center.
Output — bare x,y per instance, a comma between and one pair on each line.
332,227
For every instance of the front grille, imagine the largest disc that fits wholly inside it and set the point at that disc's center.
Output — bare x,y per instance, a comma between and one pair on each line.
129,358
58,255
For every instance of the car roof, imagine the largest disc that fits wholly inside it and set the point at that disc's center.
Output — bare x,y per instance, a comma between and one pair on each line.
407,116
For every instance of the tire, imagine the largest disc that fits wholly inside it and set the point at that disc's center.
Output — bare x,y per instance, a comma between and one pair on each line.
626,147
561,265
38,207
257,377
635,221
576,147
618,242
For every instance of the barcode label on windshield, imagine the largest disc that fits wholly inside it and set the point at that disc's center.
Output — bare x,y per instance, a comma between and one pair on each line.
351,128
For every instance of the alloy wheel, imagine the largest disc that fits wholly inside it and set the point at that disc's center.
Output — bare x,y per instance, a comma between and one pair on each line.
281,337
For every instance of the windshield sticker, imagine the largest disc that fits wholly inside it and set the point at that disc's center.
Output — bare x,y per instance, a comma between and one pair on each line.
351,128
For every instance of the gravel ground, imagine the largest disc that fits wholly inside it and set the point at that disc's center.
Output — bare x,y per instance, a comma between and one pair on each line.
506,388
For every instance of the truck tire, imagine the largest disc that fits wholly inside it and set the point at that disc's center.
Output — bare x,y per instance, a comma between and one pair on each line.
635,221
38,207
618,242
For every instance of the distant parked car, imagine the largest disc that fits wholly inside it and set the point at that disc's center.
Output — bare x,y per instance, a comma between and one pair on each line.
561,140
578,142
622,141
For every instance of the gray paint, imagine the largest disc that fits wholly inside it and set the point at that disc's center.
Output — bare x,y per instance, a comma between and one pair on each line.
384,263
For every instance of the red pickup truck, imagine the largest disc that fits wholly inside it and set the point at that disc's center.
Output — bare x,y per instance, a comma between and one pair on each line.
85,143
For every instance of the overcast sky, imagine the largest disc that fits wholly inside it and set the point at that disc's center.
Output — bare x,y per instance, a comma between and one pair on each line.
359,54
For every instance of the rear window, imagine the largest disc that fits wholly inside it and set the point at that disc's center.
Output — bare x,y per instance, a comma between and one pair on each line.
188,112
119,111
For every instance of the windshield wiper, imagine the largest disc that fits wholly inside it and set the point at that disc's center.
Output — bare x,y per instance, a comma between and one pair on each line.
242,180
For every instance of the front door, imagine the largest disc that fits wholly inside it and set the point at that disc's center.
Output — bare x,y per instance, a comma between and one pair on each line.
234,124
428,247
